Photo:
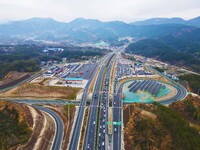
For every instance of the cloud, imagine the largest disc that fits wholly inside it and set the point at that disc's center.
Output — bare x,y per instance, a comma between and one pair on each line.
125,10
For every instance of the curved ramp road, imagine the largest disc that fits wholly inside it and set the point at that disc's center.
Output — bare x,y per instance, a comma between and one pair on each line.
117,110
57,143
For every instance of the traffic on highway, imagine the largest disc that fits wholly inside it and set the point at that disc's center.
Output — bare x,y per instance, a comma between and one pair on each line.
104,124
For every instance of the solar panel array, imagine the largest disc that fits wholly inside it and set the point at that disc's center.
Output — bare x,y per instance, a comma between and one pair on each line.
150,86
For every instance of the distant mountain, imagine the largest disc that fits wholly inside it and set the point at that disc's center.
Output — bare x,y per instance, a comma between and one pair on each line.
35,27
159,21
194,22
79,29
85,30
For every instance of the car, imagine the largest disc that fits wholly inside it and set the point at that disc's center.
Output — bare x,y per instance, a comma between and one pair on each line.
102,143
94,122
88,146
104,126
115,129
99,134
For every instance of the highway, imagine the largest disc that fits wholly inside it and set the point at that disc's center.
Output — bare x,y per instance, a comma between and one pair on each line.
117,116
57,143
90,135
103,138
74,142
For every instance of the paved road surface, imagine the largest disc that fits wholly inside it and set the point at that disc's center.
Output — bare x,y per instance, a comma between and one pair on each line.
90,136
57,143
77,128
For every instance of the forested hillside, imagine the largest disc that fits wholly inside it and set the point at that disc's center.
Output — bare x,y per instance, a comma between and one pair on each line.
180,49
156,127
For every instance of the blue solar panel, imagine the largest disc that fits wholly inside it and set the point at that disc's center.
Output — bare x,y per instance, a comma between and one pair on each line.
143,82
137,87
132,84
132,89
150,82
150,86
154,88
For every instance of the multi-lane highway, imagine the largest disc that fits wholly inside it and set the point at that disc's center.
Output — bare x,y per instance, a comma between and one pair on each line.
103,138
90,136
74,142
57,143
117,116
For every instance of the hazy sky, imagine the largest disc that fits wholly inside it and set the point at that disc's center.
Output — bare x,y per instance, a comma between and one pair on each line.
105,10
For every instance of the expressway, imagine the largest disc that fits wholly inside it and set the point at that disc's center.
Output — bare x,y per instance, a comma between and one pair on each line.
117,116
90,137
103,138
57,143
74,142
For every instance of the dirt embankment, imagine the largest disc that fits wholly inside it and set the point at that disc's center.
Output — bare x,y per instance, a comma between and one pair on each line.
13,78
43,131
35,91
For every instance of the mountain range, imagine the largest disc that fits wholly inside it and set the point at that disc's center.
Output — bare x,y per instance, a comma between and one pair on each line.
176,20
93,30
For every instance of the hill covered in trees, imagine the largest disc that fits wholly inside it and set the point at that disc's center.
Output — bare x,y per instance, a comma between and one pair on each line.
13,127
153,126
193,80
181,49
